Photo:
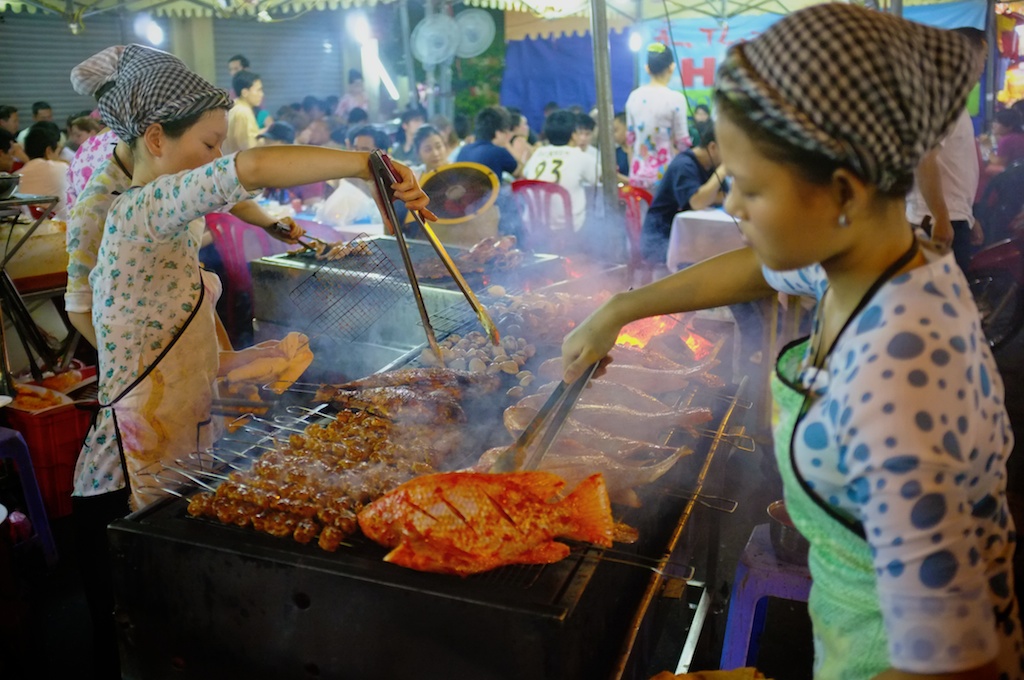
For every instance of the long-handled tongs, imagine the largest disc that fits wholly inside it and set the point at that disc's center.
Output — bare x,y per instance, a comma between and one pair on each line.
384,176
481,312
550,419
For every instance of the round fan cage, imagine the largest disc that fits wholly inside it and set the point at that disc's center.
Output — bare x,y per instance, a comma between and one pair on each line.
477,32
435,39
459,192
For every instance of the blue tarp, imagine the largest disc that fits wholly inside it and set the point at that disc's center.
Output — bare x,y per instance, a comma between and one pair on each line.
540,70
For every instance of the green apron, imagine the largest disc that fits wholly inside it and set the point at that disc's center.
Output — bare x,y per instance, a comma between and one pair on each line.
850,641
849,637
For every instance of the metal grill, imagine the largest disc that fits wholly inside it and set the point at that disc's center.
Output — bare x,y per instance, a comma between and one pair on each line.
345,297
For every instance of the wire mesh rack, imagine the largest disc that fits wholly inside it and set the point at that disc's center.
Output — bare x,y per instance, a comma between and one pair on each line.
344,298
459,316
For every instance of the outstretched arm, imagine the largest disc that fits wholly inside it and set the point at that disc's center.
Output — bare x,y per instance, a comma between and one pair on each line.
723,280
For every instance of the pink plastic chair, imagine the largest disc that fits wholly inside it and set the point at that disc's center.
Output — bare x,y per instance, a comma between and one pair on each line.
238,243
637,201
544,230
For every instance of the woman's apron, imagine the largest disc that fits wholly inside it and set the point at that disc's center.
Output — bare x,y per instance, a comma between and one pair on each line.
850,642
164,414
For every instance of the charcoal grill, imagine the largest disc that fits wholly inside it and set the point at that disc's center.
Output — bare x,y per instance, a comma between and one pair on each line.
200,599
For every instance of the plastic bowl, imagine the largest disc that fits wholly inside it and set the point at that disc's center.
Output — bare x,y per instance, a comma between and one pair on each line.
790,545
8,183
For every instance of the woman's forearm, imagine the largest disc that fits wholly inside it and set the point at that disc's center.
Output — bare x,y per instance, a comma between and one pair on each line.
289,166
82,321
726,279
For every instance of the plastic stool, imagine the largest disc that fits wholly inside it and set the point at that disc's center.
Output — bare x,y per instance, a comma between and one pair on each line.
759,575
12,445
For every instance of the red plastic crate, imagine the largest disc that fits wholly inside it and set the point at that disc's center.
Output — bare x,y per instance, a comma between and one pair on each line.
54,440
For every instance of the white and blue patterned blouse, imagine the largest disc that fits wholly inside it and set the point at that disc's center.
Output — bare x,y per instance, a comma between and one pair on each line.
908,435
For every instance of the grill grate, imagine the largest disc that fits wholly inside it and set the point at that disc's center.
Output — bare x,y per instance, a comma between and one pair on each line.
345,297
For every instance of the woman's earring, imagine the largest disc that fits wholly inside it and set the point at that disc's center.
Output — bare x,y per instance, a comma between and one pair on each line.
843,220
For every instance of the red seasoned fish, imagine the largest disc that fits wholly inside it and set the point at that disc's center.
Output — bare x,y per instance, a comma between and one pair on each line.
467,522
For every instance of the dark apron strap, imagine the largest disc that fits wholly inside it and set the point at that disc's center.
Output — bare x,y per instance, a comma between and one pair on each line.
145,374
850,523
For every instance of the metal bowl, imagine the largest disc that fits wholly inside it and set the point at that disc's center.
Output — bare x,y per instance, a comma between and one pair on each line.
790,545
8,183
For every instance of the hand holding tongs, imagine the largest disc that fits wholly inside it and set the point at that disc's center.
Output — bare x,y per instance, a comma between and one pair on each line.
553,415
481,312
284,230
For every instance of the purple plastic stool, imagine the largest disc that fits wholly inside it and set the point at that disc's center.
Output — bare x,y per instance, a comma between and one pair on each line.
12,445
759,575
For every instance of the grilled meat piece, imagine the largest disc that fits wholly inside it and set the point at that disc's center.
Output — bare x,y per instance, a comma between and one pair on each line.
465,522
615,421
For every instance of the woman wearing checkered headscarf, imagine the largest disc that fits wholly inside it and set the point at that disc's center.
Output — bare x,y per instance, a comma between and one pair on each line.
152,304
891,433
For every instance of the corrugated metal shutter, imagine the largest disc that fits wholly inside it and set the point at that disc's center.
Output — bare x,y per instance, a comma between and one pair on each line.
294,58
39,53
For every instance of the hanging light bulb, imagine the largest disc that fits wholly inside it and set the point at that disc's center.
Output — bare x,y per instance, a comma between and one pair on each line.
552,9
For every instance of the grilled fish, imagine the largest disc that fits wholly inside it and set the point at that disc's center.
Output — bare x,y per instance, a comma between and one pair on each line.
623,472
649,380
467,522
615,421
602,392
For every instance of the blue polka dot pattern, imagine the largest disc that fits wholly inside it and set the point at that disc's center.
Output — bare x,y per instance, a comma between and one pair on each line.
938,569
905,345
907,433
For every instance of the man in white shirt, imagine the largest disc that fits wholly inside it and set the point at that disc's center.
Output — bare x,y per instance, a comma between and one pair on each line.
45,174
563,164
946,180
242,126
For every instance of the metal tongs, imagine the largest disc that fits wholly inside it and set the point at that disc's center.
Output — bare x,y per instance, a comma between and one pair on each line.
283,229
550,418
385,175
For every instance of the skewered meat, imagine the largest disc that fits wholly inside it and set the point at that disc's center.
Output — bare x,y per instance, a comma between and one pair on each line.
313,485
618,421
623,472
647,357
435,378
602,392
465,522
400,404
517,418
649,380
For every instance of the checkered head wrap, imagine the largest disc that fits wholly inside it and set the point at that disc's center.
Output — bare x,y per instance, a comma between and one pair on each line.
866,89
149,86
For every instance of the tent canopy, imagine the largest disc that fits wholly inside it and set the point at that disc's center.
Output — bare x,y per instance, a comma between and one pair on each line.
182,8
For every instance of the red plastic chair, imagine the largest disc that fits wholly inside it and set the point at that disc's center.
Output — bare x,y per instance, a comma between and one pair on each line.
544,230
637,201
238,243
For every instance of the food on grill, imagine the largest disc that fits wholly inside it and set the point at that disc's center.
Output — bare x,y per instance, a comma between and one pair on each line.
475,353
516,419
458,381
277,363
544,318
312,487
466,522
615,420
602,392
399,403
649,380
340,249
623,472
646,356
490,254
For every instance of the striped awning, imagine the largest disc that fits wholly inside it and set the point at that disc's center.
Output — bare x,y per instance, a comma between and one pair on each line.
186,8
